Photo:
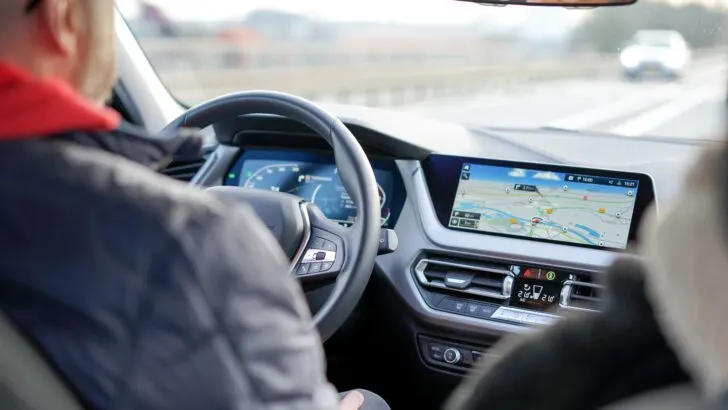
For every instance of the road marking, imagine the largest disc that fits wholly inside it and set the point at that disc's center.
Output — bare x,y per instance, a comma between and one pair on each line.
603,101
640,97
497,97
604,113
656,117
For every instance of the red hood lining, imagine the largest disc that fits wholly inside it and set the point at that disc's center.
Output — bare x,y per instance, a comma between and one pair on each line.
32,107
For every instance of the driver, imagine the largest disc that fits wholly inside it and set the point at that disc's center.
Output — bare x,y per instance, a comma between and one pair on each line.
141,292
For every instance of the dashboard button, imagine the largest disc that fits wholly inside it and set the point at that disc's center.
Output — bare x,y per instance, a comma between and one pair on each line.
452,355
436,348
447,305
485,311
315,267
437,356
460,307
326,266
302,269
473,308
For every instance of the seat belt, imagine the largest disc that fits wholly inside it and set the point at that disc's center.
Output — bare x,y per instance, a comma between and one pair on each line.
27,381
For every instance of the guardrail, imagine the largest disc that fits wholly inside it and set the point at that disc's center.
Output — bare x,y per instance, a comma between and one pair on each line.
175,53
381,84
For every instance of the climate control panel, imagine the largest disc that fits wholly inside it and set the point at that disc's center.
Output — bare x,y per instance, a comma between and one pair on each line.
503,290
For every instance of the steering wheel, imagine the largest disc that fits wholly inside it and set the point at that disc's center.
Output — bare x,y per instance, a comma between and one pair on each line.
319,249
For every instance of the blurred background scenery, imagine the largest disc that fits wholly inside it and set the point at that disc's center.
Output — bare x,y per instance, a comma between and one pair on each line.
481,65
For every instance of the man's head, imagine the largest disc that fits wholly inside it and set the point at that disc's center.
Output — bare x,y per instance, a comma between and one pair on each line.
69,40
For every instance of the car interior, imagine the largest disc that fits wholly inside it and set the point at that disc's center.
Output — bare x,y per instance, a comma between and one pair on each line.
419,242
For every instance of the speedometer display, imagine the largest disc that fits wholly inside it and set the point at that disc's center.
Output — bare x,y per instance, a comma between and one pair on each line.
315,178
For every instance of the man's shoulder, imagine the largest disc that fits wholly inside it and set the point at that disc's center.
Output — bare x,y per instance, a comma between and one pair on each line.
115,179
85,183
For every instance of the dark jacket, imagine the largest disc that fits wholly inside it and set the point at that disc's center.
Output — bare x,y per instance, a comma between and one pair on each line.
145,293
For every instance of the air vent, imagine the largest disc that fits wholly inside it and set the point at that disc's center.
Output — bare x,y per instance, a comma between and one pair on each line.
581,294
482,279
184,170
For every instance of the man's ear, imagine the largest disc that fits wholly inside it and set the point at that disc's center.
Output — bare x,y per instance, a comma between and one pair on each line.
60,23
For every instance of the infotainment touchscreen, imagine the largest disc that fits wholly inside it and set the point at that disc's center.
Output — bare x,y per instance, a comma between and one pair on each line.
578,206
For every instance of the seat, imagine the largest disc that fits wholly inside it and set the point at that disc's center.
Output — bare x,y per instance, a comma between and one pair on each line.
27,381
676,397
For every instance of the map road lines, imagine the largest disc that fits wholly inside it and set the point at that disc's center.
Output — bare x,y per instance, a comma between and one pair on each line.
579,213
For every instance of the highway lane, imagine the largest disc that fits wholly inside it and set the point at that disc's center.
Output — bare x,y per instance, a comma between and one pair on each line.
693,107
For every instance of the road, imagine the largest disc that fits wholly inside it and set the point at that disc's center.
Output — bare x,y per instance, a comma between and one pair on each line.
693,107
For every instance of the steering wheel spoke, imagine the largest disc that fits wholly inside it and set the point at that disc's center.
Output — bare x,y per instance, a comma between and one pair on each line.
322,252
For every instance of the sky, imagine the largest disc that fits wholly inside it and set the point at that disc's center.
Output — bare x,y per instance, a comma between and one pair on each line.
400,11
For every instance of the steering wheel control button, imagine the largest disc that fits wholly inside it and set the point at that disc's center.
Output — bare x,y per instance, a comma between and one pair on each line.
318,255
329,246
316,243
302,269
452,355
323,254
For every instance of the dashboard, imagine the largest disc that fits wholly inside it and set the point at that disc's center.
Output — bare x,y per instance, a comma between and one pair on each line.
497,233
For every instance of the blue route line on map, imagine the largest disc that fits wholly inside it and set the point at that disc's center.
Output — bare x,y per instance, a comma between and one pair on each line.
589,230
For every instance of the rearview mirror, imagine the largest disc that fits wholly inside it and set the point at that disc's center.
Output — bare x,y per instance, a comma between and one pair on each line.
556,3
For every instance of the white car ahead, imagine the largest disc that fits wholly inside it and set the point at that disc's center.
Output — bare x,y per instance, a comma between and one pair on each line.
662,52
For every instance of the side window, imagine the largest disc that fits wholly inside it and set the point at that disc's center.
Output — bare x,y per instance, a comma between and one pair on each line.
122,102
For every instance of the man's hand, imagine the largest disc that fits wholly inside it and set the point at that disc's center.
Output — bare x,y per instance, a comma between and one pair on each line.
352,401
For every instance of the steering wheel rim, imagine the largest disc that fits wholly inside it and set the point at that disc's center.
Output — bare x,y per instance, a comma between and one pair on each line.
361,240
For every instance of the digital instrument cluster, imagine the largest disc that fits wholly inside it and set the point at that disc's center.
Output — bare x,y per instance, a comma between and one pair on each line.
315,178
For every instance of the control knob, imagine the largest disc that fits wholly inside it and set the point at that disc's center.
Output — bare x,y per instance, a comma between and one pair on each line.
452,355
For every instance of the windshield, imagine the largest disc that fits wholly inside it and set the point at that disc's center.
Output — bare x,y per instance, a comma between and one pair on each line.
656,38
510,67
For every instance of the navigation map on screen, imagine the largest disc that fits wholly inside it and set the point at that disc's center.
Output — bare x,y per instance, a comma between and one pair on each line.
554,206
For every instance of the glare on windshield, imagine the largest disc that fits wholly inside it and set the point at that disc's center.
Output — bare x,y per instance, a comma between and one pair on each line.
510,67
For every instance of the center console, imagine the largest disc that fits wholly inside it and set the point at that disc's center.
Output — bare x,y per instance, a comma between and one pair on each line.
515,293
562,205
